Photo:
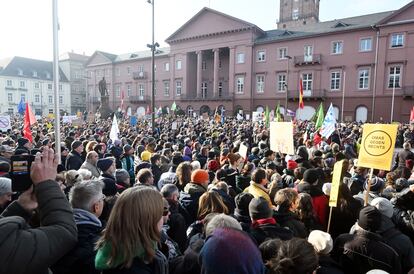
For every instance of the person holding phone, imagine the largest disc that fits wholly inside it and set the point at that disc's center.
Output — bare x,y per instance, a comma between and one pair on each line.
33,250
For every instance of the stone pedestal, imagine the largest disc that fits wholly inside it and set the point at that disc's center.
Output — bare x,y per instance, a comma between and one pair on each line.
104,108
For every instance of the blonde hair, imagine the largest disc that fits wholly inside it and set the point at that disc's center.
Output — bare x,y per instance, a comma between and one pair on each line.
211,202
90,145
133,225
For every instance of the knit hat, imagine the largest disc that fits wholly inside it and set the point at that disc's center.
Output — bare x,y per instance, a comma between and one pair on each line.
242,202
401,183
127,148
384,206
376,184
369,218
321,241
75,144
145,155
233,251
259,209
326,189
22,141
291,165
121,175
177,159
200,176
213,165
105,163
5,185
311,176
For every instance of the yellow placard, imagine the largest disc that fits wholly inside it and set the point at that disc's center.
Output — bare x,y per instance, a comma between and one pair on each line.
336,180
377,146
281,137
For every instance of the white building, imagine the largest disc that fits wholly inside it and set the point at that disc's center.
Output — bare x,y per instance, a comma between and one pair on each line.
31,80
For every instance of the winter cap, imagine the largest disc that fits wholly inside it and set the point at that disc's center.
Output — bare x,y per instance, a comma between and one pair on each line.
5,185
6,148
127,148
105,163
321,241
22,141
213,165
384,206
177,159
259,209
121,175
401,183
311,176
326,189
376,184
145,155
200,176
75,144
291,165
369,218
242,202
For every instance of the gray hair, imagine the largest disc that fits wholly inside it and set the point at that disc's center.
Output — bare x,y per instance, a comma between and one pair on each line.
168,190
84,194
85,174
221,221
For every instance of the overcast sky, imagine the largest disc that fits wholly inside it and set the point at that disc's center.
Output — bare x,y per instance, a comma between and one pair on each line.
125,25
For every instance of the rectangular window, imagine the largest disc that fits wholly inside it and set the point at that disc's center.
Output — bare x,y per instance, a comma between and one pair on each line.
37,98
167,66
240,58
128,70
34,74
51,111
260,83
77,74
281,82
363,79
38,111
337,47
9,83
204,65
36,85
178,87
397,40
220,89
118,91
394,79
50,99
261,56
307,81
49,86
128,90
10,97
240,84
282,53
178,64
141,90
60,99
365,44
60,88
10,111
204,90
166,88
295,14
141,68
118,72
23,97
335,80
22,84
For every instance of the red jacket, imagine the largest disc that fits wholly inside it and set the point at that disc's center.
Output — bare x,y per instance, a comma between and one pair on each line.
320,206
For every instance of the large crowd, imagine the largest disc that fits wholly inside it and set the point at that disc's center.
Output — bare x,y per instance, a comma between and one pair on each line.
182,199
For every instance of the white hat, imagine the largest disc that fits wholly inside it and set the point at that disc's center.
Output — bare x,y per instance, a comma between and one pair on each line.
326,189
321,241
384,206
5,185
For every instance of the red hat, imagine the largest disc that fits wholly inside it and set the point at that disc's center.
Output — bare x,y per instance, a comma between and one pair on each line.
292,165
213,165
200,176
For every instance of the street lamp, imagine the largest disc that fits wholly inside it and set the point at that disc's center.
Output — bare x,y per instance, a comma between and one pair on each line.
286,84
153,47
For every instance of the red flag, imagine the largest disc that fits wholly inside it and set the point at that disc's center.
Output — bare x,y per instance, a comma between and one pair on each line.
412,115
122,101
316,138
301,104
28,120
148,110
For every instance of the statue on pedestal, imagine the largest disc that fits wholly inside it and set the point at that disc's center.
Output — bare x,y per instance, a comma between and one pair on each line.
104,109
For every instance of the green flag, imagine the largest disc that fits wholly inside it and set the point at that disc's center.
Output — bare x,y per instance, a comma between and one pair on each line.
267,117
173,106
320,117
278,115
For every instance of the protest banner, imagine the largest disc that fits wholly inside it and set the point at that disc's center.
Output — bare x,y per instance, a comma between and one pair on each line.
336,181
281,137
5,123
243,151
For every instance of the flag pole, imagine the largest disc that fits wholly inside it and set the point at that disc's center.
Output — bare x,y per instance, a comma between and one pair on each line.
343,98
56,77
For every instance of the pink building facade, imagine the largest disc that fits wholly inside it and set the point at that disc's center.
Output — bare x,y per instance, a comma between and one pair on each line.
215,60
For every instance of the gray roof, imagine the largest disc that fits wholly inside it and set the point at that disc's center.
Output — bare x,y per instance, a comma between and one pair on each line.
12,66
110,56
142,54
327,27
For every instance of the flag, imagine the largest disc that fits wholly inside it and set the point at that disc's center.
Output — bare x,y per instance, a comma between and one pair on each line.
217,117
267,117
21,107
319,117
328,126
113,135
159,111
129,112
301,104
222,115
148,112
173,106
122,101
290,113
29,119
278,116
412,115
317,138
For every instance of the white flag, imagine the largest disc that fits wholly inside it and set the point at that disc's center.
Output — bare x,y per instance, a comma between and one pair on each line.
113,135
129,112
329,124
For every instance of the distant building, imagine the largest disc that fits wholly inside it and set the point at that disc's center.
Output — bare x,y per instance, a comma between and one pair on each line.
31,80
297,13
216,60
73,66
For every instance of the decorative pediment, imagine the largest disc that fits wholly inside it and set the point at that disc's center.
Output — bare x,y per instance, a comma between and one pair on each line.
402,15
100,58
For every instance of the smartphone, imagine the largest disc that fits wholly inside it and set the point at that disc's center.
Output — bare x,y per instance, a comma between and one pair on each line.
20,172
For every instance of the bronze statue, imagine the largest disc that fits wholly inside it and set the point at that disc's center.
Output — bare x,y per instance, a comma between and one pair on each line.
102,87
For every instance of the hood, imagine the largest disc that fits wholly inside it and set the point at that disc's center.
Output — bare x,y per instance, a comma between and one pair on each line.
194,188
83,217
386,224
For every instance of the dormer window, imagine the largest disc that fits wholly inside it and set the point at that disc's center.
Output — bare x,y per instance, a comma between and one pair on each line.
34,73
47,75
20,72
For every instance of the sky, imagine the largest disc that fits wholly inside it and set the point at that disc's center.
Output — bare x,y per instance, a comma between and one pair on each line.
124,26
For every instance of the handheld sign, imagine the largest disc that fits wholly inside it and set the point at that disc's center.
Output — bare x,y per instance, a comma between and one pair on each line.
243,151
377,146
336,181
133,121
5,123
281,137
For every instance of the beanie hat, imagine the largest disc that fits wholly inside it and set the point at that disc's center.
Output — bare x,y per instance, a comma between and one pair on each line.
259,209
145,155
401,183
291,165
376,184
242,202
105,163
127,148
384,206
5,185
369,218
321,241
213,165
75,144
326,189
200,176
310,176
22,141
232,250
177,159
121,175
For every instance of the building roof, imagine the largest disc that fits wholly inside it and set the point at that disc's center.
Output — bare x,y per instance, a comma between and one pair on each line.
110,56
141,55
337,25
74,57
28,67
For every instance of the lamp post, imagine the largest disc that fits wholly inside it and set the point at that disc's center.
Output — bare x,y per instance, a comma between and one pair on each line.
153,47
56,76
393,99
287,85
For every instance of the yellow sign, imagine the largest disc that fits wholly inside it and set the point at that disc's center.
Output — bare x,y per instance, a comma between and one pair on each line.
377,146
281,137
336,181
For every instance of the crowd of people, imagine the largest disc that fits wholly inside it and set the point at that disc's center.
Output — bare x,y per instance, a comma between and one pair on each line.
184,200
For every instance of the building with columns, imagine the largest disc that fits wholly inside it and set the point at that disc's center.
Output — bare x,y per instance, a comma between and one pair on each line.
358,64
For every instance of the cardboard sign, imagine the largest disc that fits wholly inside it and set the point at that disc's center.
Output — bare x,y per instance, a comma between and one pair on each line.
336,181
256,116
377,146
5,123
243,151
281,137
77,122
247,117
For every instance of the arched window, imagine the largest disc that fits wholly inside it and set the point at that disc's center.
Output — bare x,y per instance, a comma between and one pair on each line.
306,113
361,114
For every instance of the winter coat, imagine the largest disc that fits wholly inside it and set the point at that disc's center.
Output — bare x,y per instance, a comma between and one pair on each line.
242,181
244,220
73,161
110,188
189,200
328,266
401,157
81,259
33,250
93,169
177,226
156,171
263,231
291,221
343,218
258,191
362,251
127,163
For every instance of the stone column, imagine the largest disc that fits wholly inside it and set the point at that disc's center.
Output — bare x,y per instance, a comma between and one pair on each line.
216,72
199,71
232,61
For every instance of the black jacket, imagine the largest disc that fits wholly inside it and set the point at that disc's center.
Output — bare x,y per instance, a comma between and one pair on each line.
177,226
343,218
73,161
189,201
265,232
328,266
291,221
156,171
